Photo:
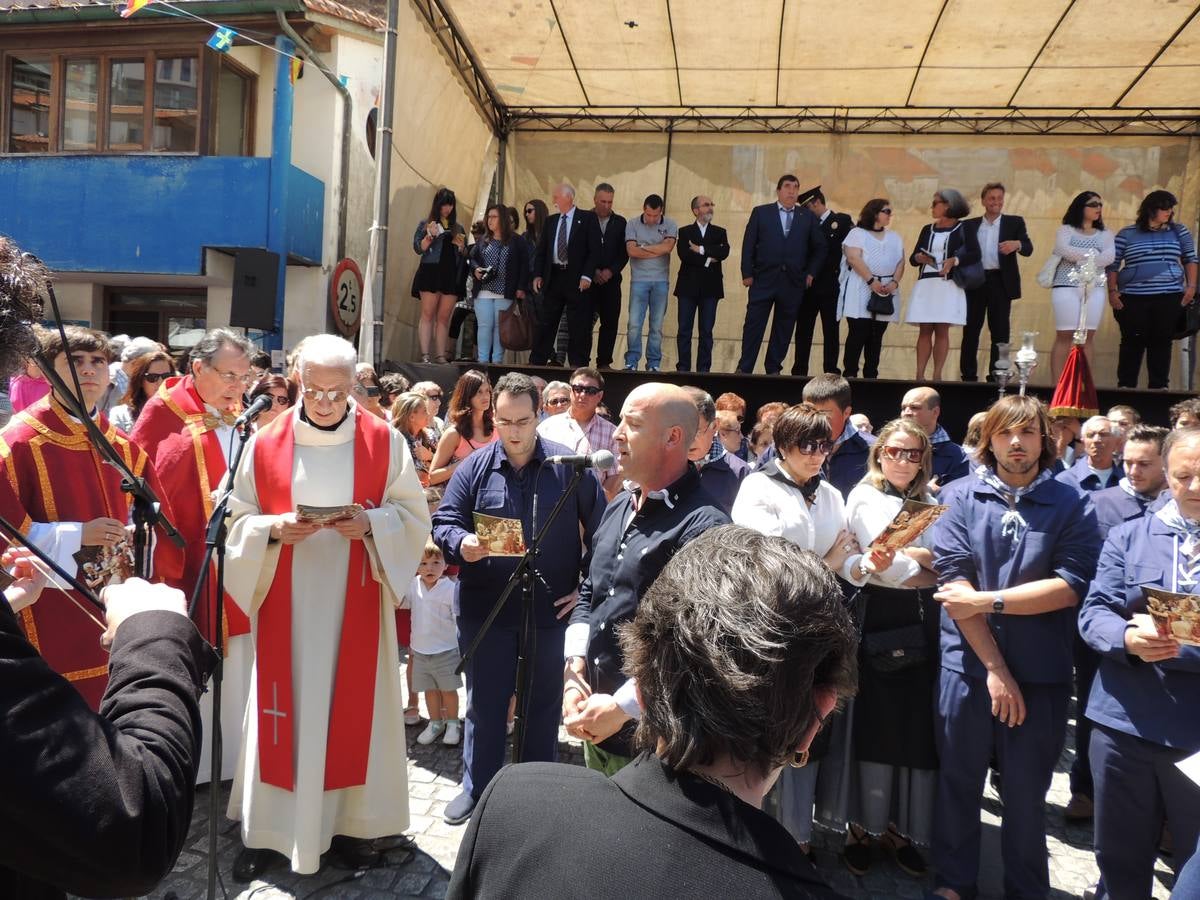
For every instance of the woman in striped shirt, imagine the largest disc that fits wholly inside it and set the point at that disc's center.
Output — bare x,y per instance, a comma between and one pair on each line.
1153,275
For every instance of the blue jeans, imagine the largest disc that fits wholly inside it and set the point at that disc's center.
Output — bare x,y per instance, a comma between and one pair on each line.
643,294
487,340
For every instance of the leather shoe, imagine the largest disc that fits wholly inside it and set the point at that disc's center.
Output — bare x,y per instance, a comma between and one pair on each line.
353,853
251,863
459,809
1079,809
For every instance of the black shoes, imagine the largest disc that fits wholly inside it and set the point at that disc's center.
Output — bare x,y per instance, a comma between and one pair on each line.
353,853
251,863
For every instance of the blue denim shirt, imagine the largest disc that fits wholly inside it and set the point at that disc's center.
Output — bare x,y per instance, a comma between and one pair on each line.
485,482
1082,478
1059,541
1158,702
434,252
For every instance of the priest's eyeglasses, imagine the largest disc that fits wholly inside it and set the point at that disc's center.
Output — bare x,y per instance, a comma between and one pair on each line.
896,454
315,396
232,377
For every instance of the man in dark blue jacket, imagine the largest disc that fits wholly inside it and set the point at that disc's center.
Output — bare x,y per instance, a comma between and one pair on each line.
847,464
503,479
924,406
721,472
782,251
1098,468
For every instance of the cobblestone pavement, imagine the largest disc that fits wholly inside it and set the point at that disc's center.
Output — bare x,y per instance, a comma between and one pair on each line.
435,772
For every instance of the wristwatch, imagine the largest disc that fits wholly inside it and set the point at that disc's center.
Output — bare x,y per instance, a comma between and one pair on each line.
997,603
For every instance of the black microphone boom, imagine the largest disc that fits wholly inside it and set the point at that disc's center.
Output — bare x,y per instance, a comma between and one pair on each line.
601,459
254,410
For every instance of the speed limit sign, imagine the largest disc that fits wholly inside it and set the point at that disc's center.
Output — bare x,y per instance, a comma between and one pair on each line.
345,296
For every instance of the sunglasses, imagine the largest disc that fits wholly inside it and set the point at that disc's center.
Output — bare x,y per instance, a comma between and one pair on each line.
315,396
558,401
886,211
280,400
530,210
1094,204
586,389
900,453
814,448
155,377
437,396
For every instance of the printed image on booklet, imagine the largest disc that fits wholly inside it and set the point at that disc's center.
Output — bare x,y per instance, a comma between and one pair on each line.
502,537
1175,615
326,515
101,566
914,517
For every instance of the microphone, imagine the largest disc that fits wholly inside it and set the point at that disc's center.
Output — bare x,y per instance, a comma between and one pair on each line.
254,410
601,459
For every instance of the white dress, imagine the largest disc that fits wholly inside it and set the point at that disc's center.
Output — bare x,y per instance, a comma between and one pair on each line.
936,299
1072,245
881,255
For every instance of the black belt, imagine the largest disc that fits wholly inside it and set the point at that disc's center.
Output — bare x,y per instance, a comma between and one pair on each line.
562,267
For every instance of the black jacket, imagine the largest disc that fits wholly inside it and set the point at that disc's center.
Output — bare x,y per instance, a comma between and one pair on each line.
961,244
1012,228
98,805
583,246
614,254
553,830
700,275
835,228
516,275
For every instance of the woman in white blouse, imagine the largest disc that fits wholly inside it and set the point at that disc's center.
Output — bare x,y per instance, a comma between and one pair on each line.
874,264
889,764
1082,230
787,497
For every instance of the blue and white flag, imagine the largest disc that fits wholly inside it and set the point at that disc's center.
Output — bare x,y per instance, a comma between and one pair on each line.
222,40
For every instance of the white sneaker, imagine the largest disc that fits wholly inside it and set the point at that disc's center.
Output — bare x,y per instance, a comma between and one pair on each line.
432,732
453,733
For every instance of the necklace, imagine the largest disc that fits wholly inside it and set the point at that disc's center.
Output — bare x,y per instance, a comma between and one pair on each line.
715,782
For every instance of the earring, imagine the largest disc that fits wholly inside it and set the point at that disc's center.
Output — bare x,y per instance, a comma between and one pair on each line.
799,759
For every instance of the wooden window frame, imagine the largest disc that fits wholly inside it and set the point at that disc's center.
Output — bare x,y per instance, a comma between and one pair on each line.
112,291
249,110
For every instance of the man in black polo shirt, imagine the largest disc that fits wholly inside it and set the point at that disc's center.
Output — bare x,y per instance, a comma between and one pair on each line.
662,508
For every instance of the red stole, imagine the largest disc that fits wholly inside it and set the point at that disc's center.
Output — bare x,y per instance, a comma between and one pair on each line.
352,708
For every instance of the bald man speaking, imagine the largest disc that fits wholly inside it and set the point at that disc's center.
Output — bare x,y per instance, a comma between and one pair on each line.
661,508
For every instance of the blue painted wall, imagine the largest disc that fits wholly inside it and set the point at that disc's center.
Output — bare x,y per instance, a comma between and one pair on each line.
151,214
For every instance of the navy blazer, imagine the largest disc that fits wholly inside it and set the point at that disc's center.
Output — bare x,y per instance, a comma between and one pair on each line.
1158,702
584,247
950,461
516,271
614,255
780,264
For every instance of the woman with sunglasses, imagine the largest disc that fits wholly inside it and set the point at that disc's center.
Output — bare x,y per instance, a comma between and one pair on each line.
433,394
1082,231
469,425
146,374
874,265
1152,275
283,395
889,761
788,498
556,398
441,243
936,301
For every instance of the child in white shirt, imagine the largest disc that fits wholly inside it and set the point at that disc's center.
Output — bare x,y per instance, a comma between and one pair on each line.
435,647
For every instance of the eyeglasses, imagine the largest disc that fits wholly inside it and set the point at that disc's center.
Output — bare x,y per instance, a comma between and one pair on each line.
233,377
1094,204
814,448
316,396
516,423
437,396
586,389
280,399
155,377
730,431
896,454
558,401
529,210
886,211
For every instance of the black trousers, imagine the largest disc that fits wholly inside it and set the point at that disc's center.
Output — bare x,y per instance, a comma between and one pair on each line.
606,301
820,299
689,307
1147,327
863,334
560,293
781,310
990,301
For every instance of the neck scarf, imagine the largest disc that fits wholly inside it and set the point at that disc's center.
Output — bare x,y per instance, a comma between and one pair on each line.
939,436
1012,523
1187,540
1124,485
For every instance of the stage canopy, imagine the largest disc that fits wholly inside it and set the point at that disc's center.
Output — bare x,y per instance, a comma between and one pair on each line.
907,66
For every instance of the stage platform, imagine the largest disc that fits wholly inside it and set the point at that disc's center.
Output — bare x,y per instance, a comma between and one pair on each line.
879,399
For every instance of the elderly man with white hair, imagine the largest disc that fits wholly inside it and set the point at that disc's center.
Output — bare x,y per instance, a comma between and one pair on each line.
323,762
566,258
1098,468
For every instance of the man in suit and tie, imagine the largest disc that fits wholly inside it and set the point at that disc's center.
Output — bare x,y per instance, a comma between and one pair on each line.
822,296
1001,238
782,251
606,285
565,264
700,284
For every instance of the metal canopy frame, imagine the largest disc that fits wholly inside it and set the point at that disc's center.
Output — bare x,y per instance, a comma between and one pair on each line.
915,120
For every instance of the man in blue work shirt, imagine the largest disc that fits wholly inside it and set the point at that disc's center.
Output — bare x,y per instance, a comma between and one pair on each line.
924,406
1015,553
502,480
662,508
721,472
1145,702
1098,468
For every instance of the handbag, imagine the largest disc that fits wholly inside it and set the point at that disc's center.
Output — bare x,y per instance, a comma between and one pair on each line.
516,326
897,649
1188,322
881,304
970,276
1045,277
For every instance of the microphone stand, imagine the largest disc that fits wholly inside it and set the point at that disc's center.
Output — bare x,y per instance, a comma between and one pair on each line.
214,542
526,640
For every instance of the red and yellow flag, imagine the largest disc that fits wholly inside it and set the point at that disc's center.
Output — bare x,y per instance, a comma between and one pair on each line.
132,6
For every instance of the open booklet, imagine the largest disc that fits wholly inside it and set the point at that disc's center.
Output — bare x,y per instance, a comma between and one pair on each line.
101,566
326,515
1174,615
502,537
909,523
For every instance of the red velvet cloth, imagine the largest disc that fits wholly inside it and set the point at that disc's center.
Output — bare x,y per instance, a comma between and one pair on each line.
1075,394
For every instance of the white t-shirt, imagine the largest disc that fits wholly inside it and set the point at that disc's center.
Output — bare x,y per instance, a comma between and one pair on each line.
433,628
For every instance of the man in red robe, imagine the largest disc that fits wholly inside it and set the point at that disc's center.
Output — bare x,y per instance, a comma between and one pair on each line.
187,428
65,497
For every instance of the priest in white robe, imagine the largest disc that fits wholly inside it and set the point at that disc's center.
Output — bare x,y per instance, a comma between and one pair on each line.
323,756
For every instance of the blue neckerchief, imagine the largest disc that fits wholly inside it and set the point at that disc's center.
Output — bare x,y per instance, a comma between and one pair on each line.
939,436
1012,523
1187,569
716,450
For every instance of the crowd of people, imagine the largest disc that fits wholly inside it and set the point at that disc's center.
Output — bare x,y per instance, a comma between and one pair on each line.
717,612
801,260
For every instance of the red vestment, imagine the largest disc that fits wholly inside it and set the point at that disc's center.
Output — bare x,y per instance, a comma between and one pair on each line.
56,475
175,429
